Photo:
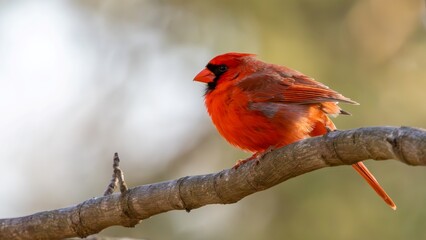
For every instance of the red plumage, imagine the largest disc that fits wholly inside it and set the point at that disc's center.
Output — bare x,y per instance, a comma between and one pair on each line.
258,106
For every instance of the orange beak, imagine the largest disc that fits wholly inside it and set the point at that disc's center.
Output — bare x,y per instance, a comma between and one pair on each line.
205,76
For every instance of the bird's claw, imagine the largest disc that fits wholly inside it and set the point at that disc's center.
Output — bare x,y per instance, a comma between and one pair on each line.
329,129
242,161
256,157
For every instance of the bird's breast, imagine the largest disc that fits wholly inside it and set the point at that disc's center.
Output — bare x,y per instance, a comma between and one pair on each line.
255,127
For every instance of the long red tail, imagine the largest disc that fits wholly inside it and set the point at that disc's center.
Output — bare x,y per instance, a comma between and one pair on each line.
321,128
366,174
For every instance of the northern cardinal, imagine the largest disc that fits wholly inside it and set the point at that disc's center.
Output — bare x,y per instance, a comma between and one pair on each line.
259,106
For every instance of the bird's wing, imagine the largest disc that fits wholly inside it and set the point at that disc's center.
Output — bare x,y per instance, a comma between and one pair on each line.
276,86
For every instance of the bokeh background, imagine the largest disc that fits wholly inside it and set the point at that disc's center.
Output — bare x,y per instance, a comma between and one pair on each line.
80,80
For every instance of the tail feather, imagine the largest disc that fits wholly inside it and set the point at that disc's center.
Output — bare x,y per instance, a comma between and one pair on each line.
366,174
320,128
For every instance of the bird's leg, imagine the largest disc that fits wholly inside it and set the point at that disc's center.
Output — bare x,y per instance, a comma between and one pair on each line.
256,156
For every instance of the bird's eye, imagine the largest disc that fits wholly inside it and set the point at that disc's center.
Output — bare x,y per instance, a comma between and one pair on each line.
217,69
222,68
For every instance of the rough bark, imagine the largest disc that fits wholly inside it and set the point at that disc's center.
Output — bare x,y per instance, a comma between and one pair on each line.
405,144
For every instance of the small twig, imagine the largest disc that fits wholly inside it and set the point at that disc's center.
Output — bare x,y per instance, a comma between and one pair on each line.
119,173
117,178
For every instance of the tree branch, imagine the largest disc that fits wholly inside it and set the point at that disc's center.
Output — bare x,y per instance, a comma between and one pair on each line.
405,144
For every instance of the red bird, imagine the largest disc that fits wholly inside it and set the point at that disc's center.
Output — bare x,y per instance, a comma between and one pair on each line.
259,106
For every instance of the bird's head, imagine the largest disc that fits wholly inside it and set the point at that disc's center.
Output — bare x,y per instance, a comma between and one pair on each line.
225,67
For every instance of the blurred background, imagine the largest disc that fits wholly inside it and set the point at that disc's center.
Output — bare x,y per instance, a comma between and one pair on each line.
80,80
